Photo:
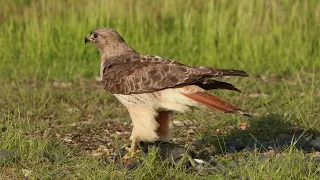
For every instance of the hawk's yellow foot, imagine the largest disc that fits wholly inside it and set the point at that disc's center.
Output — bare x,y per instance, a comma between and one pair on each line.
132,152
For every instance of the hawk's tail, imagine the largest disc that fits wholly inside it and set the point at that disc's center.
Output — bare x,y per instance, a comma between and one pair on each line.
214,102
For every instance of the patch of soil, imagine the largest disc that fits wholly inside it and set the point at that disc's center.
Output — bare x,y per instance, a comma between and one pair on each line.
95,136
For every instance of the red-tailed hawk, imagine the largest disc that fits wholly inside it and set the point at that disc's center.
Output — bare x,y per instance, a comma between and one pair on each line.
152,88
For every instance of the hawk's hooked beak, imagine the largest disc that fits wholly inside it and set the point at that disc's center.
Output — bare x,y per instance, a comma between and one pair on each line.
86,40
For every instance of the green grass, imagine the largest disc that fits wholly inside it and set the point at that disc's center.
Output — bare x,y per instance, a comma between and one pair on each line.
47,84
270,37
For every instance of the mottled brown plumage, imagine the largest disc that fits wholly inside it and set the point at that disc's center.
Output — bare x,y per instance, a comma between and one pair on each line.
152,87
135,74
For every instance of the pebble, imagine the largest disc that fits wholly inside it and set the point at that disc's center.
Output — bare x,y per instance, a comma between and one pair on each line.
316,144
190,131
234,145
62,84
188,122
67,139
299,142
72,110
177,123
26,172
254,144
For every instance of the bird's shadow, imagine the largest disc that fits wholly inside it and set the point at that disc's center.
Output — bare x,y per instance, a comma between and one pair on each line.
264,133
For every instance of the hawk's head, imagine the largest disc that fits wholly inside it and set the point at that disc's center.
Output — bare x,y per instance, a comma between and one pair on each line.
103,36
108,41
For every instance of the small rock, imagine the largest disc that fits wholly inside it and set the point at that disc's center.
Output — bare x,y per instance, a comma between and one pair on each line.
298,141
254,144
26,172
234,146
263,146
67,139
316,144
62,84
190,131
72,110
188,122
119,133
177,123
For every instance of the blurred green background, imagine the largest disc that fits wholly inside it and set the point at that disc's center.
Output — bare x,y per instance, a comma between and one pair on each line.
45,39
48,94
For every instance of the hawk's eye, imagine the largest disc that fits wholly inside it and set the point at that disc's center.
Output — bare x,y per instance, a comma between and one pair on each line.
95,35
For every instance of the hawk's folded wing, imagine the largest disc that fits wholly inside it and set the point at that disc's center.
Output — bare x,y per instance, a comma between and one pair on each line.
136,74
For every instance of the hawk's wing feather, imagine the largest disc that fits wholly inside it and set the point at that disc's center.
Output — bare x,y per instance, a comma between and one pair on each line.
141,74
209,84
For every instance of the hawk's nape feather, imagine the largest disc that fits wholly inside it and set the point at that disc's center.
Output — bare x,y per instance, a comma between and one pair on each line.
136,74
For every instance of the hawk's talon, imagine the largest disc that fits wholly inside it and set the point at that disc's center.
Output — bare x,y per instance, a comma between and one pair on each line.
128,159
126,148
130,154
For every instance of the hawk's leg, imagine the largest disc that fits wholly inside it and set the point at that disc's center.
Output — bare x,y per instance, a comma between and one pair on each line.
144,127
132,151
163,131
133,148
